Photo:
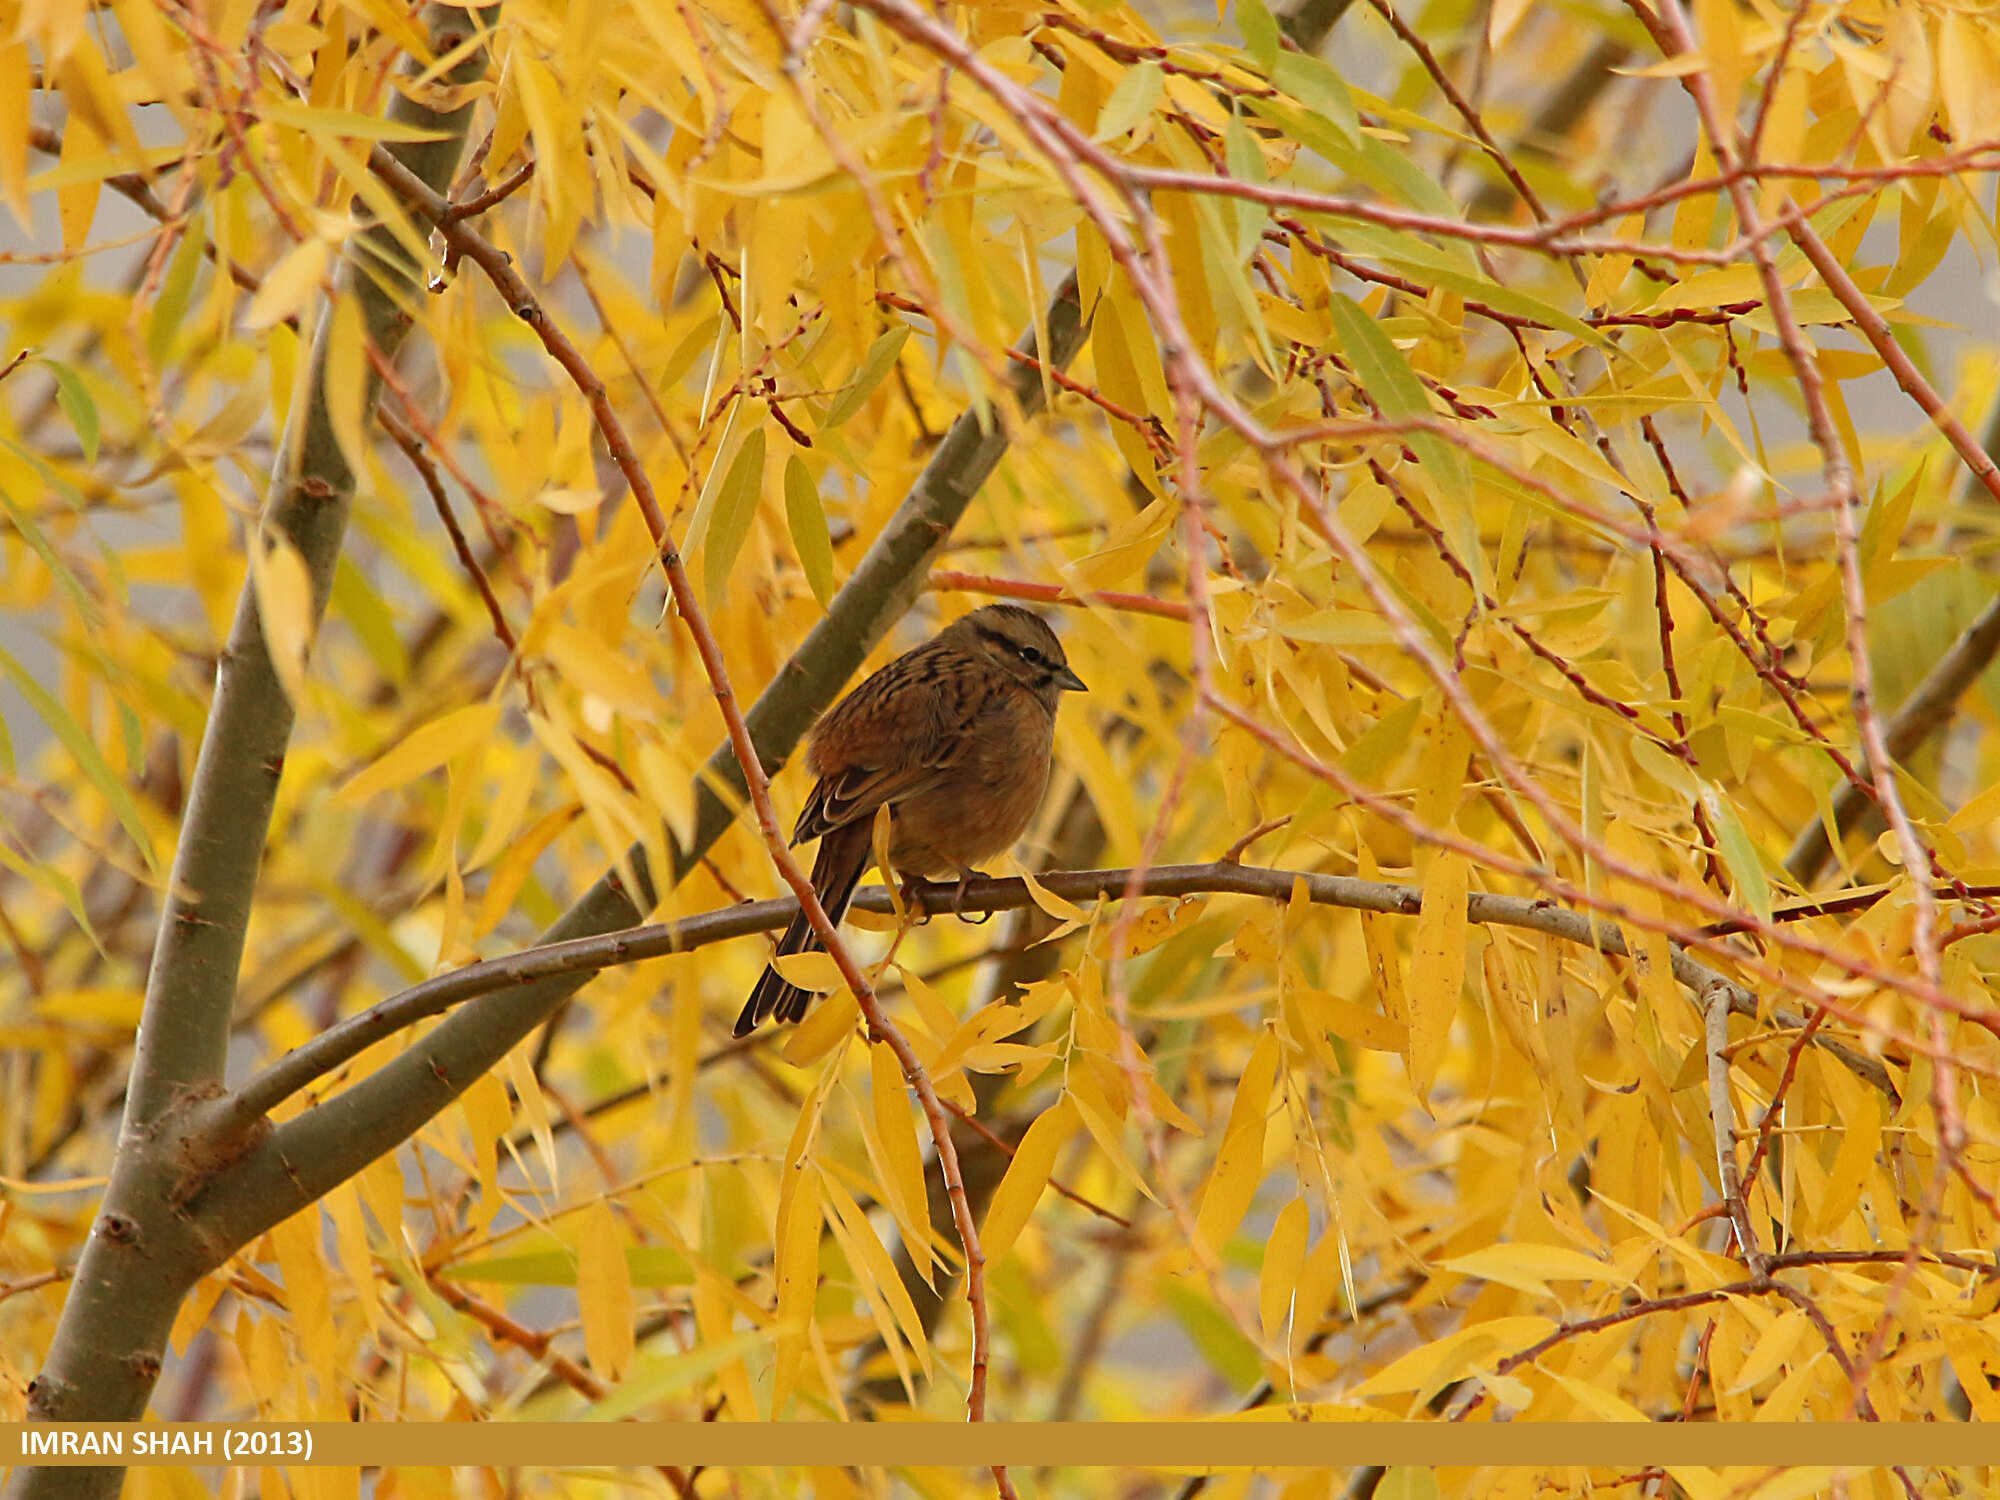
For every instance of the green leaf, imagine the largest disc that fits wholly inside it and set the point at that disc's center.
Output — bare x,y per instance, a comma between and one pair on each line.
86,606
319,123
1746,870
1260,32
1407,1483
650,1266
356,601
1246,164
1228,1353
1315,84
807,520
1453,268
1137,92
734,507
880,360
653,1378
53,879
1387,376
172,304
76,405
84,750
1376,751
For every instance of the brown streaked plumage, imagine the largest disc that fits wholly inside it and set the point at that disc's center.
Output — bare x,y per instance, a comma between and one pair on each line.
954,737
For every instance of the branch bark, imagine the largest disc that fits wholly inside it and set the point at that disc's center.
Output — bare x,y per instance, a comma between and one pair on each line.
490,978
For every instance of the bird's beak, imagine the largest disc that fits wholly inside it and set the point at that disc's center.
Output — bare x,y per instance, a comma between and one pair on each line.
1069,682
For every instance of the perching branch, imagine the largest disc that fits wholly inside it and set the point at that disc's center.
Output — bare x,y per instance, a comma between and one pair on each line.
326,1052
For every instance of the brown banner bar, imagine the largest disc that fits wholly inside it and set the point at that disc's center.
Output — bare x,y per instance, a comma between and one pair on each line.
1263,1444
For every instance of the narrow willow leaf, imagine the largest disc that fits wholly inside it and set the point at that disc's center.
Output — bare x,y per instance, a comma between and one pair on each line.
87,607
76,405
879,361
1027,1176
1260,32
1320,88
1134,98
604,1291
1400,395
795,1246
903,1161
1239,1161
423,750
172,303
807,520
84,749
735,505
1220,1342
1437,968
1746,870
1284,1260
290,284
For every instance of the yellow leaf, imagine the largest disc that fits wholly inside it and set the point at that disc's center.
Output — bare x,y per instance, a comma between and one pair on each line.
1721,41
1972,1353
487,1116
514,867
1437,969
289,285
1378,935
1969,77
1097,1119
1529,1267
1357,1023
346,379
357,1258
1429,1366
796,1246
1504,17
424,750
814,971
875,1266
604,1291
1284,1260
859,1246
827,1025
285,603
300,1262
1773,1348
902,1158
1027,1175
76,203
1050,902
117,1007
1239,1161
16,89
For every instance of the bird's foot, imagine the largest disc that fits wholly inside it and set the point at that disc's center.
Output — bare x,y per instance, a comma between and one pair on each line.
965,878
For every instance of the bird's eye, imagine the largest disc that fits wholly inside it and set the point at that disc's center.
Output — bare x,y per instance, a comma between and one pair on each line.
1031,656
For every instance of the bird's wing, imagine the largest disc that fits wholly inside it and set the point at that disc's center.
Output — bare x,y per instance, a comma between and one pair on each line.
855,793
895,736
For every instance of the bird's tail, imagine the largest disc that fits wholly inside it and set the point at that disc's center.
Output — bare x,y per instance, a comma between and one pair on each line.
843,855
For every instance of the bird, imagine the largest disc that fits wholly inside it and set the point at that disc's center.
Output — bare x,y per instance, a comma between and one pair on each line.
954,737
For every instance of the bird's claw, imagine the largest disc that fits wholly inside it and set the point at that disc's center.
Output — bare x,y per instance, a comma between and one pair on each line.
965,879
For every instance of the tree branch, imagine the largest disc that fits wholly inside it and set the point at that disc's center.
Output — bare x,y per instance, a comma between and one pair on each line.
497,977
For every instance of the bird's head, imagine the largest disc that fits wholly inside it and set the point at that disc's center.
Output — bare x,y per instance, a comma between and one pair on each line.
1019,643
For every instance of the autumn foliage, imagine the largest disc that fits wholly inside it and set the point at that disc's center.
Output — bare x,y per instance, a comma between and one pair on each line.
1513,928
